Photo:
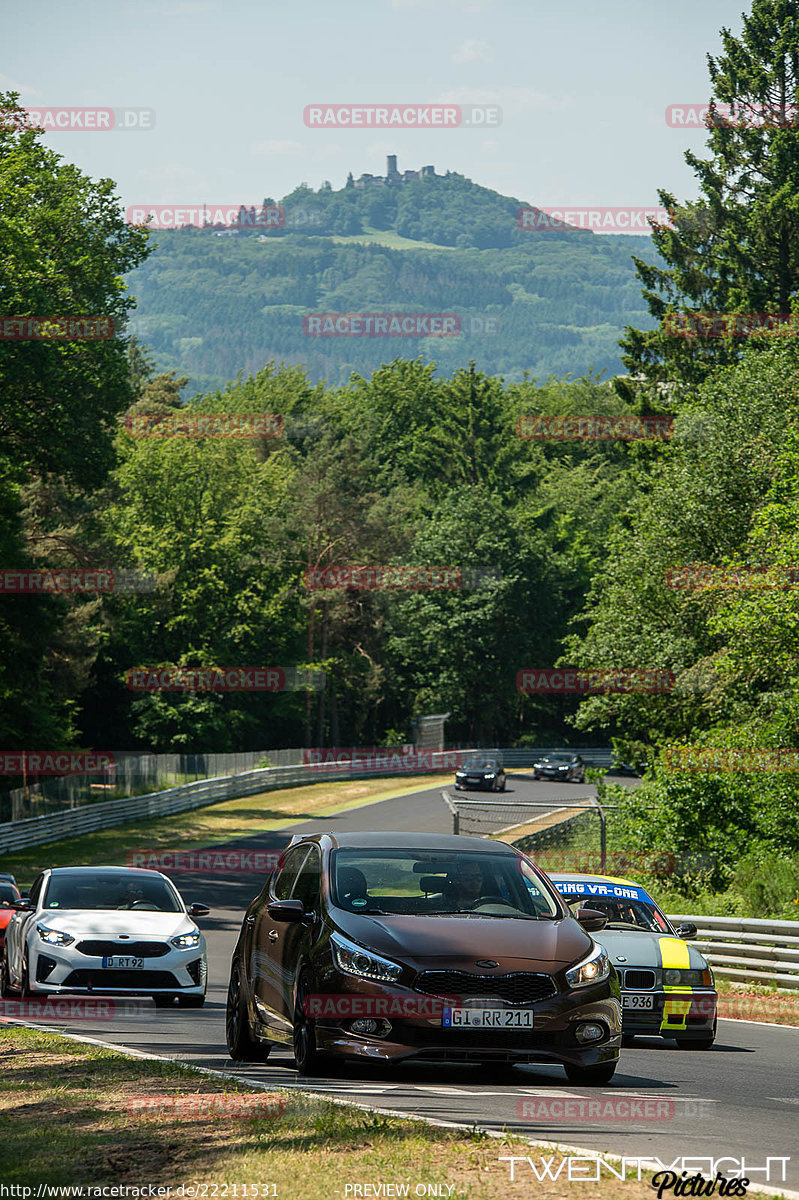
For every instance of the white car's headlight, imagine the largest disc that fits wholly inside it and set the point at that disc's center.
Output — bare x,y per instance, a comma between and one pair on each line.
187,941
54,937
357,961
593,969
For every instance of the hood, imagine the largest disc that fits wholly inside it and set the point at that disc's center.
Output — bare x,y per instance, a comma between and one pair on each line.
641,949
104,923
459,941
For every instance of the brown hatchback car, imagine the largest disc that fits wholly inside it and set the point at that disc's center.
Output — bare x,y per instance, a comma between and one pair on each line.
397,946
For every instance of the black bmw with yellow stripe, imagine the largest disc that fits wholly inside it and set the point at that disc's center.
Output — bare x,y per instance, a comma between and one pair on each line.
667,986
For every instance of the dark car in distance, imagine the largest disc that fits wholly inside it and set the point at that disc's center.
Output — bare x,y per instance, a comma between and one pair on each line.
565,766
387,947
480,773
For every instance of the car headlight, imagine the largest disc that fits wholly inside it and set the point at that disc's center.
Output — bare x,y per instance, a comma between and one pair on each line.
593,969
677,977
491,775
186,941
54,937
356,961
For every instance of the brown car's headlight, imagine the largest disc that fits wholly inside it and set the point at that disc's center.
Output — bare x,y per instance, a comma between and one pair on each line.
592,969
354,960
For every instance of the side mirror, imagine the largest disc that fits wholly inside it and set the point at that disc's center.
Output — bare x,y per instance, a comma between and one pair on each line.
23,905
686,931
591,920
198,910
286,910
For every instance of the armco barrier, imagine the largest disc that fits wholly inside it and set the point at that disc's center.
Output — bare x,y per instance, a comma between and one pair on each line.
744,948
52,827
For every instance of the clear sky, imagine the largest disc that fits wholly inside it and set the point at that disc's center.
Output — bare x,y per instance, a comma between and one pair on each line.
583,87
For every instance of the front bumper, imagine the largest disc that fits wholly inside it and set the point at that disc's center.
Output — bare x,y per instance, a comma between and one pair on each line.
57,969
479,785
682,1013
552,1038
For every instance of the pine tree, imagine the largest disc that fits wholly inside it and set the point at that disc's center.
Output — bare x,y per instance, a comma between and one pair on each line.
736,249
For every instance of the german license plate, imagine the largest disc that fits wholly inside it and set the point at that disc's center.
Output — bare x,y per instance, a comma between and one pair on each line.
487,1018
472,779
637,1000
124,962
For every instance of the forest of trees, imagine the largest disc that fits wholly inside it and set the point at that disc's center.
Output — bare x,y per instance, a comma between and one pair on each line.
408,463
545,303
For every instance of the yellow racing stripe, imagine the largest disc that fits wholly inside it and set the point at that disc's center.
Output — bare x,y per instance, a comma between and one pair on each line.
674,954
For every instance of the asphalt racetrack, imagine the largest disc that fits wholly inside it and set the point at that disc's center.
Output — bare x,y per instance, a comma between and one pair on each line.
738,1102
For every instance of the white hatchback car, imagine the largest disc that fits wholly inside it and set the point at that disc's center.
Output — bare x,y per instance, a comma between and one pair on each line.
107,931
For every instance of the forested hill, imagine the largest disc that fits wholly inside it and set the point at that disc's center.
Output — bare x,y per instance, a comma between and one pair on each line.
548,302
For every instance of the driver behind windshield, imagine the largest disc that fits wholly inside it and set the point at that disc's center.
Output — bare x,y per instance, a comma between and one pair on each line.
465,885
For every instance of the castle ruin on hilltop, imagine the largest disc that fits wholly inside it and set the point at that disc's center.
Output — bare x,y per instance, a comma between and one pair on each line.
393,177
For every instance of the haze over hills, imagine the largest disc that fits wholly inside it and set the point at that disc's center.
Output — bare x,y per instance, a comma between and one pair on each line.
219,299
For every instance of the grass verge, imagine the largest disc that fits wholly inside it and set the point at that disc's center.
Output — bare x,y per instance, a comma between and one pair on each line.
73,1114
216,824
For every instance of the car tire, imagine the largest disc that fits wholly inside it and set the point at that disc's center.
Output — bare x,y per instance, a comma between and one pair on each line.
306,1055
502,789
627,1039
241,1045
590,1076
25,992
191,1001
6,990
162,1000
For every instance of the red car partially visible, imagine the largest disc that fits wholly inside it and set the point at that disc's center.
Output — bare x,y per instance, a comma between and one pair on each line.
8,894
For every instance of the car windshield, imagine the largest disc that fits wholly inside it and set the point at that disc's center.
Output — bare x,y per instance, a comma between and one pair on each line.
118,890
628,914
439,884
480,764
7,892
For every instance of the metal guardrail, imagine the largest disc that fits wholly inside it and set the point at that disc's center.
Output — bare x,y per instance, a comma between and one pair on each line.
743,948
89,818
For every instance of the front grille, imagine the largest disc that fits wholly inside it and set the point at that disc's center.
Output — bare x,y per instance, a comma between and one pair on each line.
99,949
521,987
639,980
132,981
